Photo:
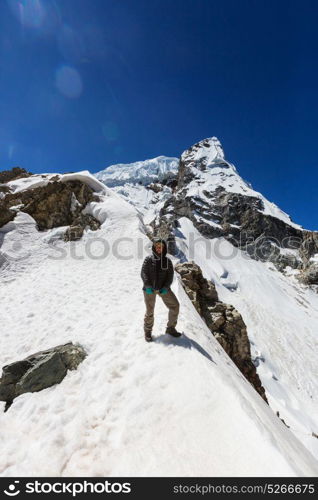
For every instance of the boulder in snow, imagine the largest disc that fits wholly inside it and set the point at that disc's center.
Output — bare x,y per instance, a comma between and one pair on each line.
39,371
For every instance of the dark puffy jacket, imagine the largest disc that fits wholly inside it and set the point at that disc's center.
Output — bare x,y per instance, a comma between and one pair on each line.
157,270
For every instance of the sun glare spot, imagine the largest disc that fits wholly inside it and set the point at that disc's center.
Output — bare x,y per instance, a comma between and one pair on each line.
30,13
69,82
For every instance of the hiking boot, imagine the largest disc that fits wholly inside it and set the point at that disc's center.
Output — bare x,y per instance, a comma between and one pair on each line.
148,337
172,331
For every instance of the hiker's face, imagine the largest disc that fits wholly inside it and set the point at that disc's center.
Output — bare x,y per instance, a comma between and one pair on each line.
159,248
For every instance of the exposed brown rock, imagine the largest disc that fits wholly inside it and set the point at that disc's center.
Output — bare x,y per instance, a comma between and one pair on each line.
223,320
56,204
5,214
14,173
309,274
155,187
4,188
309,246
75,231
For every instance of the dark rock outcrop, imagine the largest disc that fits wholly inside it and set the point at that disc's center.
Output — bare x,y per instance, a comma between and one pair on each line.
223,320
163,229
240,220
4,189
75,231
6,215
309,246
39,371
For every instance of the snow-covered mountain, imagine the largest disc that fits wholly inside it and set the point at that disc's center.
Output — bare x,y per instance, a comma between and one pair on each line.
146,184
203,169
175,406
260,261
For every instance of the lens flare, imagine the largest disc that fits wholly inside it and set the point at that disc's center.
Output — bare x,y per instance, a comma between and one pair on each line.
110,131
44,17
69,82
30,13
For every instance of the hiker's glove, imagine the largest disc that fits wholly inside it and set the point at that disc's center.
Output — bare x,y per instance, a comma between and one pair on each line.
149,290
163,291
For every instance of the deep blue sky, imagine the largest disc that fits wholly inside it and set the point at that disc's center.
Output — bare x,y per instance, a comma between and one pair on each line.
88,83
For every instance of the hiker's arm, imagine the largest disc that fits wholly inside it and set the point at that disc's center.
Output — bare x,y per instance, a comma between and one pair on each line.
169,277
145,275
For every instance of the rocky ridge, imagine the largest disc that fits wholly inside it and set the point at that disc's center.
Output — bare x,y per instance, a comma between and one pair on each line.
224,321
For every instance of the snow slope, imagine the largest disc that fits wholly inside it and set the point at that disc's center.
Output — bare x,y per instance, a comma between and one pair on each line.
173,407
282,324
280,313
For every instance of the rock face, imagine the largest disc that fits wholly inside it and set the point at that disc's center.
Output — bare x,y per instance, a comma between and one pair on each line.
224,321
53,205
39,371
75,231
239,219
309,249
14,173
309,275
5,215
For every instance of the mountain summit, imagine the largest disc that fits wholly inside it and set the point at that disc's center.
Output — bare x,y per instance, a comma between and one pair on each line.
260,261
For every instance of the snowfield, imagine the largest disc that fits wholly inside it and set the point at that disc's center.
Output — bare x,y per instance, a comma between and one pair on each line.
175,407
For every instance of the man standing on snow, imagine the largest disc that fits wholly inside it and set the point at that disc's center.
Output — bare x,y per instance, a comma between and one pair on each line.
157,275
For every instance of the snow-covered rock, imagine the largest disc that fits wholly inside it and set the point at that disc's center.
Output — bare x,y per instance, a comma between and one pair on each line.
52,200
203,168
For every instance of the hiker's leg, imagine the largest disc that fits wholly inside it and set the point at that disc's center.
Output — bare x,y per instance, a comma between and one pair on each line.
150,300
173,305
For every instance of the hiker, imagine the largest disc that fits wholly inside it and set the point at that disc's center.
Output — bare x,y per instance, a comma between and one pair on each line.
157,275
